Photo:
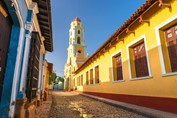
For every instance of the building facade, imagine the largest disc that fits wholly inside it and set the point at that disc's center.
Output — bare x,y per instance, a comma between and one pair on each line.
138,63
76,52
47,71
27,32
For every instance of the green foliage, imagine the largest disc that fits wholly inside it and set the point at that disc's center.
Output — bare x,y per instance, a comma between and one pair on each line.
59,79
52,78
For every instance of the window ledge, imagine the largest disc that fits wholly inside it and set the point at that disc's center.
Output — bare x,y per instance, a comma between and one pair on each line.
141,78
118,81
91,84
97,83
169,74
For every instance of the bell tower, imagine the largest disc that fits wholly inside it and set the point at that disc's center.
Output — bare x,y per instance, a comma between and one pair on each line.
76,52
76,49
76,35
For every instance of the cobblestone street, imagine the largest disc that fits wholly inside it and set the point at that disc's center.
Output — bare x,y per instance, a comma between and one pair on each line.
72,105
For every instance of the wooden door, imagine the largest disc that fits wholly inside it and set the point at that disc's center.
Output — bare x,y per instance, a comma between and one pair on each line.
33,67
5,31
171,38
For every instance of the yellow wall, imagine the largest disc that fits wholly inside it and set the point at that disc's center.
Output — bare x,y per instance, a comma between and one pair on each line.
46,75
156,85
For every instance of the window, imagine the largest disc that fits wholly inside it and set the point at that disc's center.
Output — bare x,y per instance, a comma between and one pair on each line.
77,81
117,67
78,31
91,76
171,44
78,40
166,36
97,74
87,78
81,80
74,82
79,51
138,60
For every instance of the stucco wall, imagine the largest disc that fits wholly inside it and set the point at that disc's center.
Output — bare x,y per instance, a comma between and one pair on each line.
156,84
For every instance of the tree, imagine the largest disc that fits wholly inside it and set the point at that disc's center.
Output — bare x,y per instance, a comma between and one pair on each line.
52,78
59,79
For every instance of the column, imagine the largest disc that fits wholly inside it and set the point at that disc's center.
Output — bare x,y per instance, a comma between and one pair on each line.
40,79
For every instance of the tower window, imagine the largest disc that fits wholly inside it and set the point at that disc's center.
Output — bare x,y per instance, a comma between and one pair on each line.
79,51
78,31
78,40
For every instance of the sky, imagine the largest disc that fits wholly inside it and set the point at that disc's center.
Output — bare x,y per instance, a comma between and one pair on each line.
101,18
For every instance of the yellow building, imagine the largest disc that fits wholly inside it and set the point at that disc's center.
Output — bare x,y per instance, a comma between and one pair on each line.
138,63
47,71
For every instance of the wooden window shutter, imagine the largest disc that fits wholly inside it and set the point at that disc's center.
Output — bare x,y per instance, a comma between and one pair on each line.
119,67
97,74
171,38
33,66
87,82
140,60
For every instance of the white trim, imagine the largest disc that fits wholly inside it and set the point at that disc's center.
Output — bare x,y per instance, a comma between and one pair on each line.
143,37
25,61
169,74
140,78
18,58
118,81
157,28
119,51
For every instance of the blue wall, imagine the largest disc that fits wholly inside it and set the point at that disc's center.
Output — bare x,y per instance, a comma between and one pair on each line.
12,54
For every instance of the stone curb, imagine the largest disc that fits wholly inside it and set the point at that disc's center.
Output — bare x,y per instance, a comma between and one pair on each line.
152,113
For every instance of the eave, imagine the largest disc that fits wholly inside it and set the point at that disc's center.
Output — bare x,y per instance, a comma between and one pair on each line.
45,22
114,38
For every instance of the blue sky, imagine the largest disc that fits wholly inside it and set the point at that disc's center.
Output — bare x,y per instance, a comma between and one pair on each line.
101,18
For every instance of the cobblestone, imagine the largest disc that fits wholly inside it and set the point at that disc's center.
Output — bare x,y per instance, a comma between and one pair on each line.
44,110
73,105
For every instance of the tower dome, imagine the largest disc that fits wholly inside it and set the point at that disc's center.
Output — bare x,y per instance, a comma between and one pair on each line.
77,19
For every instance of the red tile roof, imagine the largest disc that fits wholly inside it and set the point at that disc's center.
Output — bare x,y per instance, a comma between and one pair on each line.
77,19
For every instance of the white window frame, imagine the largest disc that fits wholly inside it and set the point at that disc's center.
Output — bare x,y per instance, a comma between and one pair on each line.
143,37
112,56
157,29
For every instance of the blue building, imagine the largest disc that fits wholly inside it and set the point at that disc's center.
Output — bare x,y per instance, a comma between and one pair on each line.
25,38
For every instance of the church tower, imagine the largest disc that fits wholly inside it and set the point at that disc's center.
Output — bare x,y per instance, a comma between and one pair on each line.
76,50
